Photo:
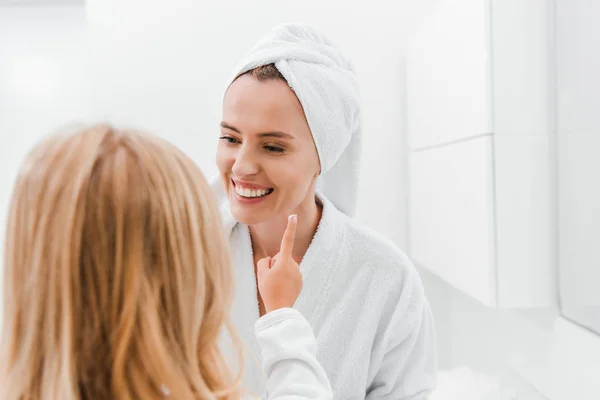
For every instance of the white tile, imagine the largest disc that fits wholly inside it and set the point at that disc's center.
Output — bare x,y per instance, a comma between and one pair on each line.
525,220
450,215
448,78
523,63
579,217
578,63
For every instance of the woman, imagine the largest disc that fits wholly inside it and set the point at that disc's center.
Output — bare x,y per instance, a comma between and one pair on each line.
289,144
117,281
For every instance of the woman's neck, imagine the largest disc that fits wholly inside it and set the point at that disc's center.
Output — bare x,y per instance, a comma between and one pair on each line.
266,236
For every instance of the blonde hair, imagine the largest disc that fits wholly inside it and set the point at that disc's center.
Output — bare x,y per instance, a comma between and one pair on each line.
117,276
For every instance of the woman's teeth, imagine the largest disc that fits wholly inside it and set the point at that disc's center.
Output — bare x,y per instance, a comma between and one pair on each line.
244,192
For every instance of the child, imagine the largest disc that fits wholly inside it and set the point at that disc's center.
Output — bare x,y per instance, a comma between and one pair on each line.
117,281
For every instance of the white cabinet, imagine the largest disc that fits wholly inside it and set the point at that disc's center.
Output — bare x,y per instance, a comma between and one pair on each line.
451,218
447,76
578,44
479,120
578,136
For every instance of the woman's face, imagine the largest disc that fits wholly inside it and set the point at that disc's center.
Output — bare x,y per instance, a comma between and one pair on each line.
266,154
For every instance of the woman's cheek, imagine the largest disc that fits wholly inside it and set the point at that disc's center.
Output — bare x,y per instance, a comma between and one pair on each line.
225,159
289,173
220,158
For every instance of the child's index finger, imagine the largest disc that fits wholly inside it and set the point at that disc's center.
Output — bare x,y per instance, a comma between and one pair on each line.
287,242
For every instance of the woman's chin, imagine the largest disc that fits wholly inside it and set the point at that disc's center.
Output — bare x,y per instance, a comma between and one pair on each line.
250,211
247,217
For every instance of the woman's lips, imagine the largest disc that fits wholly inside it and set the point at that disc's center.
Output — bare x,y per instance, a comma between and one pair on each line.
250,193
249,185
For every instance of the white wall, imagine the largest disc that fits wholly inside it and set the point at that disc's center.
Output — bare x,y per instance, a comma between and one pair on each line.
162,65
578,102
42,82
538,349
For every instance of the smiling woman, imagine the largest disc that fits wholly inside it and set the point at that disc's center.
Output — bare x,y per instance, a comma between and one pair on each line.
290,122
266,145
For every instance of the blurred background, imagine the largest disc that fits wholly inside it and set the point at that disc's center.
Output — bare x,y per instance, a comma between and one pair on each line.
480,128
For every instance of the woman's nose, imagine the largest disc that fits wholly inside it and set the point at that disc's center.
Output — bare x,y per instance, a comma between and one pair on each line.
245,163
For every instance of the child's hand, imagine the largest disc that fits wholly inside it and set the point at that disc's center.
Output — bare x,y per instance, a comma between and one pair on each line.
279,278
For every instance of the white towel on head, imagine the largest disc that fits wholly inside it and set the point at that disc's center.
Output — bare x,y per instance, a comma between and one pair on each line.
324,82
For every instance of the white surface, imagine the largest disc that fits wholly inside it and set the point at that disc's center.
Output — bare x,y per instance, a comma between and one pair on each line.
578,83
520,219
555,356
42,83
463,383
578,41
563,364
448,75
536,350
42,3
451,215
522,42
579,218
525,221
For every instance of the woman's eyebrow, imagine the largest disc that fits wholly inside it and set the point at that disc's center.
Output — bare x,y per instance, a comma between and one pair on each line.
276,134
227,126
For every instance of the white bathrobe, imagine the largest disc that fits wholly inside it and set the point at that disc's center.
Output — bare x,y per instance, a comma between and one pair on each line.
365,303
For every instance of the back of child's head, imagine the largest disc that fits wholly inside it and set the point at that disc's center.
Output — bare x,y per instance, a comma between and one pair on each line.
117,278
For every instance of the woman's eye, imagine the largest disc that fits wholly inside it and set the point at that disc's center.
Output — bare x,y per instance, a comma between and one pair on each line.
274,149
229,139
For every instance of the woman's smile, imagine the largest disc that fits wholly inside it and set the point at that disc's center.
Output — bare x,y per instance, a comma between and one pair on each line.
249,193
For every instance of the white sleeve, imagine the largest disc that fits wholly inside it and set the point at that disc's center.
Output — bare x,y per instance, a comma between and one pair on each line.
288,348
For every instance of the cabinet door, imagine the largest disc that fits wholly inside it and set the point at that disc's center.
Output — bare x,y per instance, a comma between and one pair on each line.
578,105
451,215
481,191
448,78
